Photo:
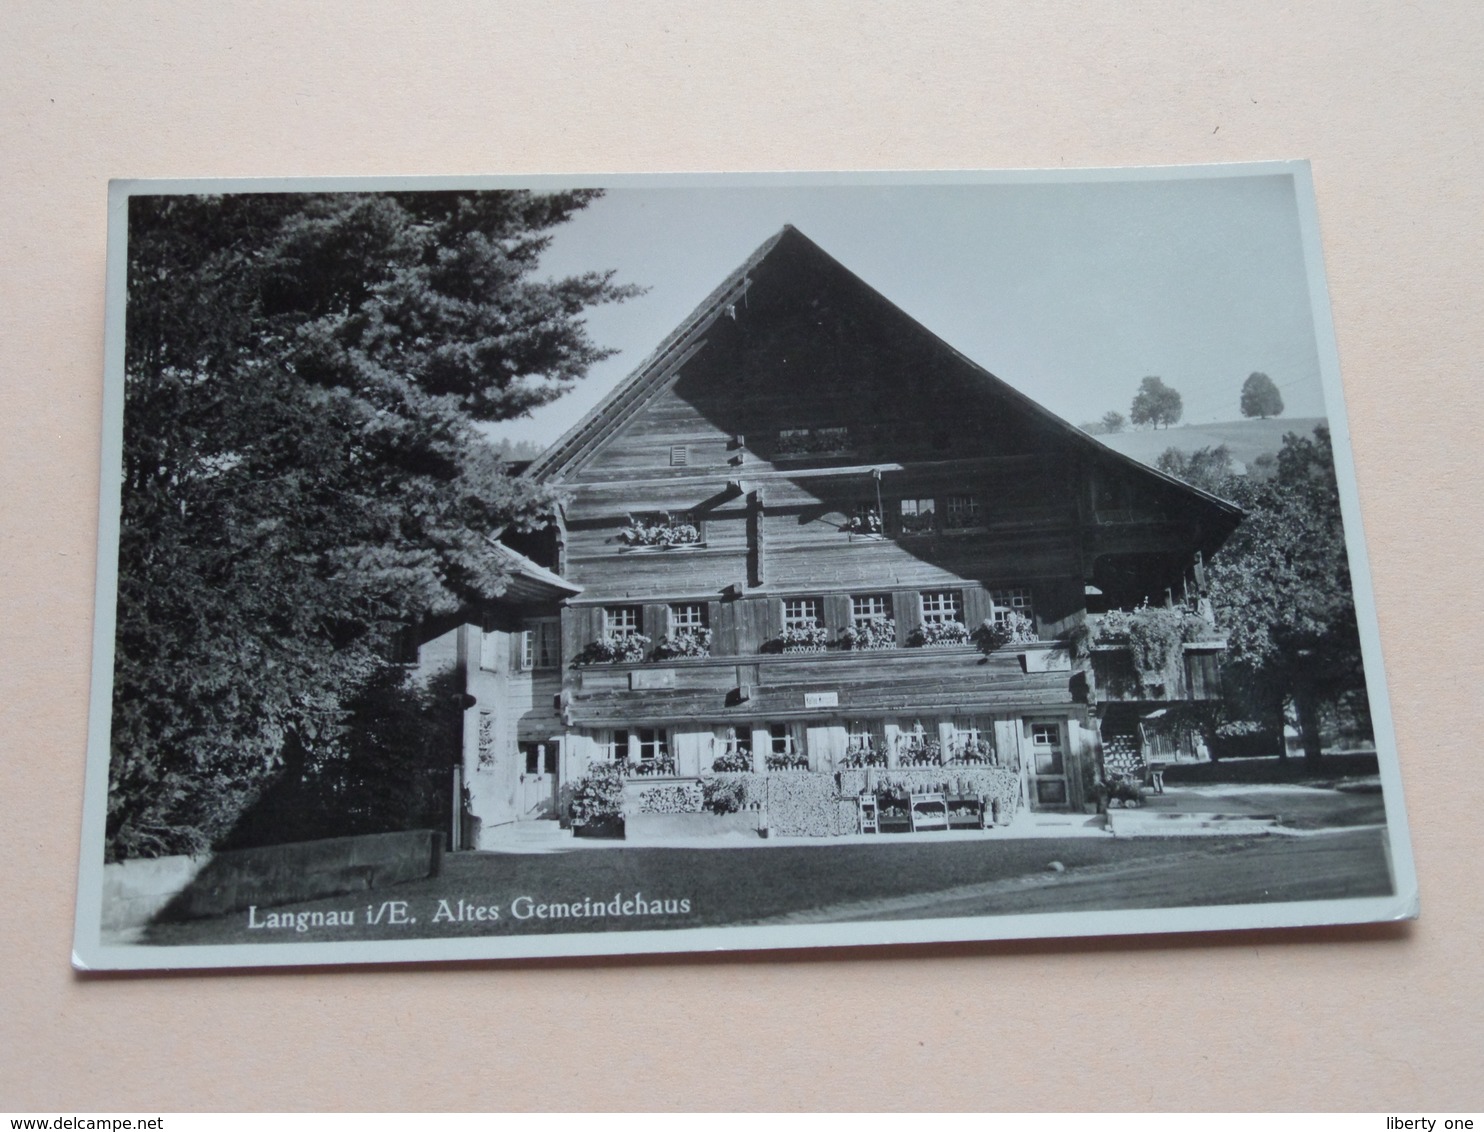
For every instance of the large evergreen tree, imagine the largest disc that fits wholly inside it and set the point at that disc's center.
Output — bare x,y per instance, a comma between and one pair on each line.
302,474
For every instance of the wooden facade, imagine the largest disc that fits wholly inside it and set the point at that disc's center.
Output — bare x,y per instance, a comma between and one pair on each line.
800,460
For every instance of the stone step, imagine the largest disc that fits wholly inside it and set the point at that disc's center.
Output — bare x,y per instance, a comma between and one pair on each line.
529,831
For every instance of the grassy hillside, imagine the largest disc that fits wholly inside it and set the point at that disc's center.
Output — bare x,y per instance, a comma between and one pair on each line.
1247,439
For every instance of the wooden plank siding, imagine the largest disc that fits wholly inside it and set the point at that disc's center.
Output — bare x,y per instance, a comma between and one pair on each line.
868,685
772,419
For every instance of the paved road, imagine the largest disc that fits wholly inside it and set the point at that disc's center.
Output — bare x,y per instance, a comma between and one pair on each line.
1318,867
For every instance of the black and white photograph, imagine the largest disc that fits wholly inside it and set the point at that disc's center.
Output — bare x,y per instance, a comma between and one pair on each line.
565,566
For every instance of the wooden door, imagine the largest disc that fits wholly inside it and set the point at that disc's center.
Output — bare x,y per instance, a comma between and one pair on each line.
1046,767
538,782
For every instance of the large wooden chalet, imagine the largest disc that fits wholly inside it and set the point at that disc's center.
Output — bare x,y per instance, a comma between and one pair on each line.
806,536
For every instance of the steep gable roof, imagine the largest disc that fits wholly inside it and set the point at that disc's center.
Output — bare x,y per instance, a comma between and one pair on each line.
659,370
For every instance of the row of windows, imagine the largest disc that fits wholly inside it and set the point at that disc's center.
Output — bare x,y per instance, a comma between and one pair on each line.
938,606
541,643
645,744
921,515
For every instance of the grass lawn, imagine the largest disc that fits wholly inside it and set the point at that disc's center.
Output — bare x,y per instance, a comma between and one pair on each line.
735,886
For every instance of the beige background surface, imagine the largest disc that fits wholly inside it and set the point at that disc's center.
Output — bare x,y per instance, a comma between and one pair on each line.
1383,97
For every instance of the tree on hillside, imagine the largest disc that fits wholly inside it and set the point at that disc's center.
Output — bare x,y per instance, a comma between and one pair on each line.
1156,404
1209,469
1281,587
302,474
1113,421
1260,397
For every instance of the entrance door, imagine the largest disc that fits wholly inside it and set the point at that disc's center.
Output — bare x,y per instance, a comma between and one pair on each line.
1048,766
538,782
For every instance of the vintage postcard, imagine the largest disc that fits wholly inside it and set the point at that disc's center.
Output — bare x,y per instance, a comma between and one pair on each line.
571,566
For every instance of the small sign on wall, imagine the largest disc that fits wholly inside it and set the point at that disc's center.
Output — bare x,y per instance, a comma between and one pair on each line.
652,678
821,699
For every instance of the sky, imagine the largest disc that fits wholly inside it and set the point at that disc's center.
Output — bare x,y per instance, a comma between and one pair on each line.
1071,292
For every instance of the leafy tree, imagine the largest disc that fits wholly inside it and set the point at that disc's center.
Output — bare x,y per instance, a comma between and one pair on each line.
1156,404
1260,397
302,472
517,450
1281,586
1209,469
1113,421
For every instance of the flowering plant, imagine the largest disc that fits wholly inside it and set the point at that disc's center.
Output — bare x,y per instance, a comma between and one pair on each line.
919,752
661,766
877,632
788,762
598,796
866,522
723,797
614,648
1124,788
738,760
684,642
802,638
660,530
940,634
1015,629
857,755
973,752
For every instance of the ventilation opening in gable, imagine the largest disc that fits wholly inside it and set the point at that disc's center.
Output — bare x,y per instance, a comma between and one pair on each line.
679,456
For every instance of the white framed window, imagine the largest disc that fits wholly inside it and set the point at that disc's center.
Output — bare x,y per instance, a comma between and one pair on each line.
860,735
651,744
969,729
917,515
622,620
541,645
688,615
1011,599
864,607
803,612
961,511
942,606
780,739
613,746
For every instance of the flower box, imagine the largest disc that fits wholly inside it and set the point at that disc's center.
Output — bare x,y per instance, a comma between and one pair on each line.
940,634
